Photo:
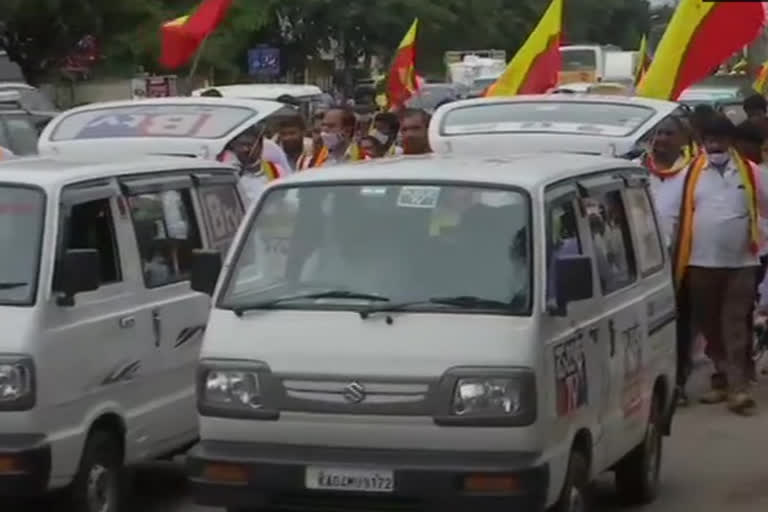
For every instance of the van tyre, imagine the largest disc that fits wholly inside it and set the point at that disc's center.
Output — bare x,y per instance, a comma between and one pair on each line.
98,485
576,495
637,474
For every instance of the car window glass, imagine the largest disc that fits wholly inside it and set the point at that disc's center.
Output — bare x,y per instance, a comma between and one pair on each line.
91,225
611,239
166,233
4,140
23,135
222,213
562,238
650,250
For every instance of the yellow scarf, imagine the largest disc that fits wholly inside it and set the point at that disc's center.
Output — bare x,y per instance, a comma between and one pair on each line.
270,170
684,244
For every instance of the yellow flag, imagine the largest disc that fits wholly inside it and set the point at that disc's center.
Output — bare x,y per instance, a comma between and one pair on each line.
762,79
534,68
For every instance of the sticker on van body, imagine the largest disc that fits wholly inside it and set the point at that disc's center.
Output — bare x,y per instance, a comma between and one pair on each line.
418,197
632,390
571,386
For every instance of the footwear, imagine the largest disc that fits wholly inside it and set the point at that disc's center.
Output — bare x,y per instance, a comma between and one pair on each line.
741,403
682,398
714,396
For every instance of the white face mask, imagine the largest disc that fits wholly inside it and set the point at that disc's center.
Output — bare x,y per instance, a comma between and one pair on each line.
718,159
382,138
331,140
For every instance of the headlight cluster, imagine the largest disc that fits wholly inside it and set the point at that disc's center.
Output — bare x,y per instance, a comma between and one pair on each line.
17,383
483,396
232,389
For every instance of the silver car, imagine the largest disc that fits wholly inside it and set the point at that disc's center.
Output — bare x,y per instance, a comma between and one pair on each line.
578,123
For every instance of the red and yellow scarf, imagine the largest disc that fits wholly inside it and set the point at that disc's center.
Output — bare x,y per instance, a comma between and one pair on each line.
270,170
749,178
688,154
353,154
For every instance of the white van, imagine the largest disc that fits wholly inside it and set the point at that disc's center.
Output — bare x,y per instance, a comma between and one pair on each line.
438,332
102,328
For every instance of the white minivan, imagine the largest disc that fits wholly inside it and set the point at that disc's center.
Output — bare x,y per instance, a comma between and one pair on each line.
438,333
97,365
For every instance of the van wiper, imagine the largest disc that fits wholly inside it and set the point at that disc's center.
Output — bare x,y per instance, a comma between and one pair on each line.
10,286
329,294
460,301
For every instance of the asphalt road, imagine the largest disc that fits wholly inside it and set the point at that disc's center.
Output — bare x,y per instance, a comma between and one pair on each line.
714,461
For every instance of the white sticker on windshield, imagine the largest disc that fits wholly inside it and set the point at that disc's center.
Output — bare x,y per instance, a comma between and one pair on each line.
418,197
373,191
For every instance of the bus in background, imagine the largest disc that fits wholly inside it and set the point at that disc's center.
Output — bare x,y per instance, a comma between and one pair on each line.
590,63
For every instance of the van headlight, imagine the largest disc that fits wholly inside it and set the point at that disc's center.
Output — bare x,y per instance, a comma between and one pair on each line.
17,383
492,397
233,389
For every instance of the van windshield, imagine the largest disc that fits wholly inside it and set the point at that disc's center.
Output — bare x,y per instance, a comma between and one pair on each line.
22,210
351,246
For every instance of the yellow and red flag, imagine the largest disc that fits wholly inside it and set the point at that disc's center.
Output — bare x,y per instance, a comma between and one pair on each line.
402,82
643,60
700,36
534,68
761,82
182,37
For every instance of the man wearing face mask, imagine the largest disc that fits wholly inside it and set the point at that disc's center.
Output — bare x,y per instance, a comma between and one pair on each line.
260,160
717,242
385,129
338,131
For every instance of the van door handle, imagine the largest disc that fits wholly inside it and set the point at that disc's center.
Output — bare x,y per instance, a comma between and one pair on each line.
156,326
127,322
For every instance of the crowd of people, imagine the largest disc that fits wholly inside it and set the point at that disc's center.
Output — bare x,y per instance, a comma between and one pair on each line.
709,179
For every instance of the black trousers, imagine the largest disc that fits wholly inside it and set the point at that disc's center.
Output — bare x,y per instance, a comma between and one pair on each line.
684,336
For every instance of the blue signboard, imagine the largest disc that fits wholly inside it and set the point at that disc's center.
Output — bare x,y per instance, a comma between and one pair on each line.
264,61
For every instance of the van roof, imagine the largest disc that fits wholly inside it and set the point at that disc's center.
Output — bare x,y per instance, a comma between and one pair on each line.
49,172
263,91
522,170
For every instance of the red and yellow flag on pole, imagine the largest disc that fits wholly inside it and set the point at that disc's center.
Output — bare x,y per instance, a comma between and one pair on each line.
643,60
761,82
182,37
700,36
402,81
534,68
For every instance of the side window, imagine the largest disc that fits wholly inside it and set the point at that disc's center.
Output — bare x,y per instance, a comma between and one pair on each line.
612,240
5,142
166,233
562,237
641,214
23,135
91,225
222,214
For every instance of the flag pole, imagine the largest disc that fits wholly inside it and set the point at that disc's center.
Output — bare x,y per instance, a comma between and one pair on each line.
193,69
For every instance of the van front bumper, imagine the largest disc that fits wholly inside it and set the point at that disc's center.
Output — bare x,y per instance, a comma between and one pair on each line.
269,476
25,464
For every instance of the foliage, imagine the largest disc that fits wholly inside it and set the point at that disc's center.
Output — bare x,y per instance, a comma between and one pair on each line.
39,33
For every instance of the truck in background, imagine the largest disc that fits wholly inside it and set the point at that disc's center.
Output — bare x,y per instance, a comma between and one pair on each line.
596,63
475,69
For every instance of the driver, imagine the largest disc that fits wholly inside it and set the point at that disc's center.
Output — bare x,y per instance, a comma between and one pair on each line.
260,160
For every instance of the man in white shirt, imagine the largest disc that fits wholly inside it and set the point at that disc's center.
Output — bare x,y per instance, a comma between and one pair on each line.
716,250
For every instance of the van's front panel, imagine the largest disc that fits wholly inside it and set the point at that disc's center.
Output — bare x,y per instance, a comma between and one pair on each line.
375,342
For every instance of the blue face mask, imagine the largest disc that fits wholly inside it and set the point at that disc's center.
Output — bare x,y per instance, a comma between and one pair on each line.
718,158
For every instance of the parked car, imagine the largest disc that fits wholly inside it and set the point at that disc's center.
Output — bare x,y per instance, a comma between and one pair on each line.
20,126
432,95
585,123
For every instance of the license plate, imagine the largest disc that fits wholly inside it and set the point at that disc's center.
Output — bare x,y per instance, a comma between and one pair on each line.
352,480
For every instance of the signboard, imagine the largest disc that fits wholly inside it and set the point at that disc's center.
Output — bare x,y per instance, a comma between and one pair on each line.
264,61
153,87
222,212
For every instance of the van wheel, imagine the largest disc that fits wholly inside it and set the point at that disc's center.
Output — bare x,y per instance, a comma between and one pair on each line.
576,493
97,487
637,474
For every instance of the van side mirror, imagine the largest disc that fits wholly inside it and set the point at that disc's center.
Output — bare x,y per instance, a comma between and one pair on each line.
206,267
78,271
573,281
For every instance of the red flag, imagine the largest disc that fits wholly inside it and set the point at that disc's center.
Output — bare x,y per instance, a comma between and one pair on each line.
182,37
700,36
402,75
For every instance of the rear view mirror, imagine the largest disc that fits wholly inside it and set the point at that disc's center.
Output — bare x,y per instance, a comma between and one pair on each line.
77,271
573,281
206,267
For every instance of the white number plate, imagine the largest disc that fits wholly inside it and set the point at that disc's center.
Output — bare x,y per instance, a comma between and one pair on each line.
353,480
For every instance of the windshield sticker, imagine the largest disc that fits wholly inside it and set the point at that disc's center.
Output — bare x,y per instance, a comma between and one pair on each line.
571,388
144,125
373,191
19,208
418,197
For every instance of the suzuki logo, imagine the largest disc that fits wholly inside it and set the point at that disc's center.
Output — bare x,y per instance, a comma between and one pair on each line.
354,393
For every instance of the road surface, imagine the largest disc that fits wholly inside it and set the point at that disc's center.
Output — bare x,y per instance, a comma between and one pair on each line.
714,461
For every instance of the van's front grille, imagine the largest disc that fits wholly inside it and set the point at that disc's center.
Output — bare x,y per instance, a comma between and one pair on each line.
354,396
